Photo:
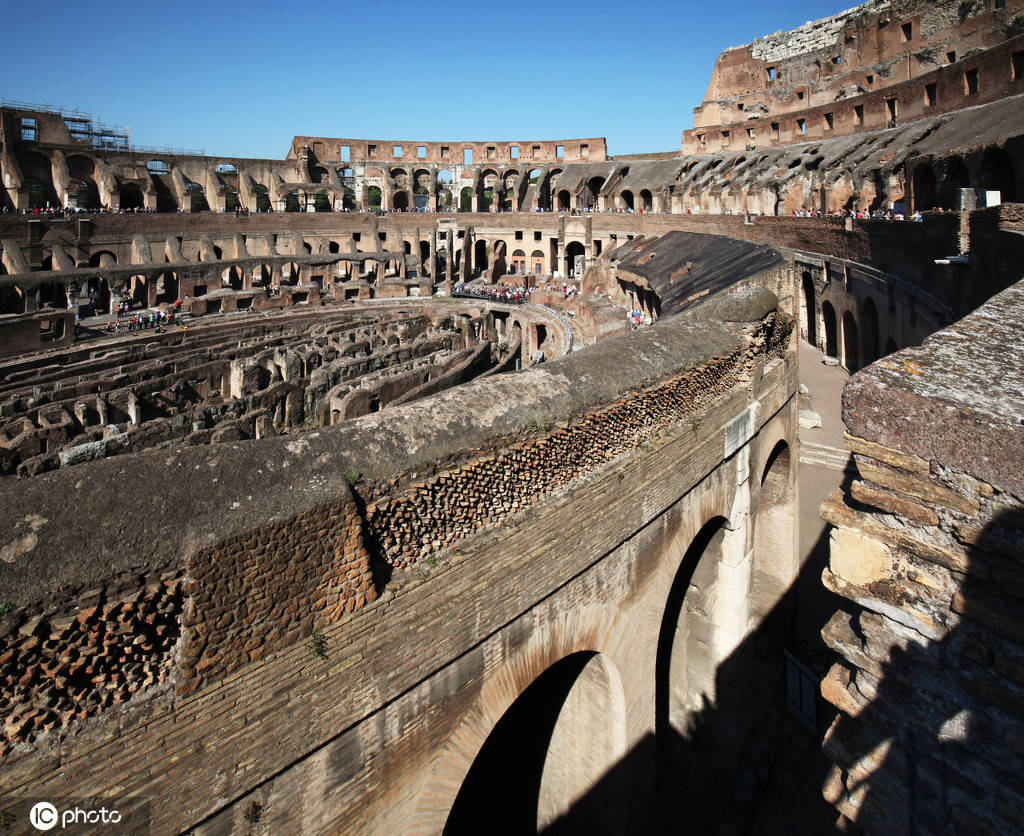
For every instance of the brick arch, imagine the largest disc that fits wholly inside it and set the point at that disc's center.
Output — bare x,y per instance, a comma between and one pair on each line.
584,630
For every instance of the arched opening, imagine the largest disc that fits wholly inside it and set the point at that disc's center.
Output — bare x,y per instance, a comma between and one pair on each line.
575,256
425,257
83,191
197,198
924,188
232,277
290,273
102,258
775,560
627,199
890,346
99,294
828,319
869,324
518,262
466,199
850,343
695,732
166,288
348,199
537,263
37,194
500,263
37,179
646,200
157,167
564,200
547,764
589,196
808,312
480,255
400,201
131,196
321,203
373,197
997,174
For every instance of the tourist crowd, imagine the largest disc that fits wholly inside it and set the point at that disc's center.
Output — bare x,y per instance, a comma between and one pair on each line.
494,293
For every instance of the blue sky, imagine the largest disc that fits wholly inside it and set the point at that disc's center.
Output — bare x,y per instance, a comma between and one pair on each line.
241,79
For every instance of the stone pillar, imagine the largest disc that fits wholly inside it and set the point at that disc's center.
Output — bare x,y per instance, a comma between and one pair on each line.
451,255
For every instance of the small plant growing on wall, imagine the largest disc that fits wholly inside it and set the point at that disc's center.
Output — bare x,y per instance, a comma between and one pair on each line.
6,607
317,644
352,476
253,813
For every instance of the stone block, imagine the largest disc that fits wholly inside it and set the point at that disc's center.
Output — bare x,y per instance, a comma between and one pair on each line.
916,485
869,449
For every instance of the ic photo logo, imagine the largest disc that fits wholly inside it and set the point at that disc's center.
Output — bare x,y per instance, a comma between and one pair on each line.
44,816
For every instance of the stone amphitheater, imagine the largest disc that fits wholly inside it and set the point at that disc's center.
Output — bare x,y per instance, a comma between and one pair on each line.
402,486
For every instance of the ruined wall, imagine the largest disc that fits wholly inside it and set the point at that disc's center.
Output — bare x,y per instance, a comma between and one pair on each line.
925,548
265,541
838,75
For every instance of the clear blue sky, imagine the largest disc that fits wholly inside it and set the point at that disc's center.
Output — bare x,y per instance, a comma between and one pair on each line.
241,78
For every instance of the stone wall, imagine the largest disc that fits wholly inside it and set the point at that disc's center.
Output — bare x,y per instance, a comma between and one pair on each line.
926,548
270,533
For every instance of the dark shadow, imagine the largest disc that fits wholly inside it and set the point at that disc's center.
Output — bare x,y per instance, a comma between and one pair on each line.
501,792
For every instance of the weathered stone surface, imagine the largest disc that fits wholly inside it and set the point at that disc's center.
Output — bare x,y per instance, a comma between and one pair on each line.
913,464
893,504
916,486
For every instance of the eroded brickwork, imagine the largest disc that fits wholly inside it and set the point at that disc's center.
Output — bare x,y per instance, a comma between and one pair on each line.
266,589
430,516
82,653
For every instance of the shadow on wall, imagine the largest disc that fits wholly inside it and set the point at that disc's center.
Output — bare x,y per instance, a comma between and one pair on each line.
714,769
935,743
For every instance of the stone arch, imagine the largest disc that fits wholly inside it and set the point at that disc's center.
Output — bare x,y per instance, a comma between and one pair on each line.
83,191
373,198
573,250
102,258
131,196
851,355
37,179
466,199
480,254
627,199
400,201
591,191
775,546
646,200
697,730
166,287
828,319
869,330
564,199
808,311
559,737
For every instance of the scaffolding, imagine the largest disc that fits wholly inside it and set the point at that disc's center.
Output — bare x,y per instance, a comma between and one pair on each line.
83,127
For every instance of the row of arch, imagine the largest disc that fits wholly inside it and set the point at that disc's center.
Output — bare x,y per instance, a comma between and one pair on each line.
554,758
937,185
853,337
